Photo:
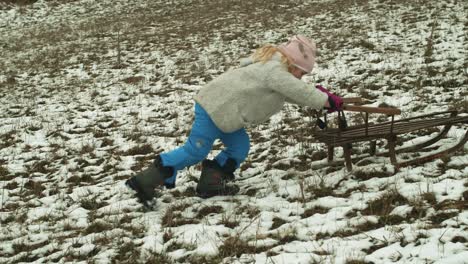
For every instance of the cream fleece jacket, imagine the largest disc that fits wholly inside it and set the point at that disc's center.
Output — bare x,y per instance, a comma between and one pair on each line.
250,95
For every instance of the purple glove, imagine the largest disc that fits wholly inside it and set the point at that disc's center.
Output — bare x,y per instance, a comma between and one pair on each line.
321,88
336,102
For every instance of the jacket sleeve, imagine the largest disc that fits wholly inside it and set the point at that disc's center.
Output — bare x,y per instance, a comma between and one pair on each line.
295,90
246,61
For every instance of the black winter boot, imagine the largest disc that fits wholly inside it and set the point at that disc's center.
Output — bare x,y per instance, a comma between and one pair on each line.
144,182
213,179
229,168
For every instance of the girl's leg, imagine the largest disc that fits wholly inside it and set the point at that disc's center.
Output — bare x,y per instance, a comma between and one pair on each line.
237,148
198,145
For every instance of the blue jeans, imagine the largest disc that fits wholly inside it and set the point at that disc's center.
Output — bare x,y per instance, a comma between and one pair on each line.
200,141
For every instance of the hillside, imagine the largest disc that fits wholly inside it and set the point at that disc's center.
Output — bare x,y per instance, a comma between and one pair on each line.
91,91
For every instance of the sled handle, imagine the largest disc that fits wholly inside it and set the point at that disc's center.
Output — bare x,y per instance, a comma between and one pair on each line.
369,109
353,100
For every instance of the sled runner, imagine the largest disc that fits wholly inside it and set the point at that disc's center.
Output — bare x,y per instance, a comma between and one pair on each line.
344,136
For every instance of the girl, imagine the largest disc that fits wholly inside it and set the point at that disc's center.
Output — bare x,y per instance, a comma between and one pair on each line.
245,96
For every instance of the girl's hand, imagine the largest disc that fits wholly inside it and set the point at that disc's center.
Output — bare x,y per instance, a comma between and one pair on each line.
334,103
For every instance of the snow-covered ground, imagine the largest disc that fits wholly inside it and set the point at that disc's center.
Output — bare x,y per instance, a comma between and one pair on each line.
91,91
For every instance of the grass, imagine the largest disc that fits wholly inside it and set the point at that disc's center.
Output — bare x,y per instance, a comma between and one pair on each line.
173,246
318,188
98,226
385,203
314,210
168,235
429,197
374,248
26,246
439,217
35,188
356,229
233,246
286,236
355,261
202,259
81,180
430,44
132,98
459,239
207,210
158,258
92,203
366,44
174,219
370,174
249,210
40,167
277,222
11,185
229,220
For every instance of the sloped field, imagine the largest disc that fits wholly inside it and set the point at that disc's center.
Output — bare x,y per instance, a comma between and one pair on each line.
91,91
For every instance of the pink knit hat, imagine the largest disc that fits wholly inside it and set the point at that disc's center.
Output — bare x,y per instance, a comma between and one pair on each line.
301,51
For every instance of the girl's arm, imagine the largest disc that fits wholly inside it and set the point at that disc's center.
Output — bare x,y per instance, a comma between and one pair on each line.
296,90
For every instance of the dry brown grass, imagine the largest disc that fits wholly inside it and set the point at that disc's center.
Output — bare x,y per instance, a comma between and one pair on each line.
385,203
314,210
234,246
207,210
158,26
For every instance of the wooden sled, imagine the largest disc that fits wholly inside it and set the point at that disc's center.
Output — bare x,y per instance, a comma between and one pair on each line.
344,136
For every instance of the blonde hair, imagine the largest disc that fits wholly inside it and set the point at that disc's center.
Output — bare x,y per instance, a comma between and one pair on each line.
265,53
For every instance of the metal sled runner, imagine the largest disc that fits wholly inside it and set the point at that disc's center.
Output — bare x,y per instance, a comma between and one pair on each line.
345,136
